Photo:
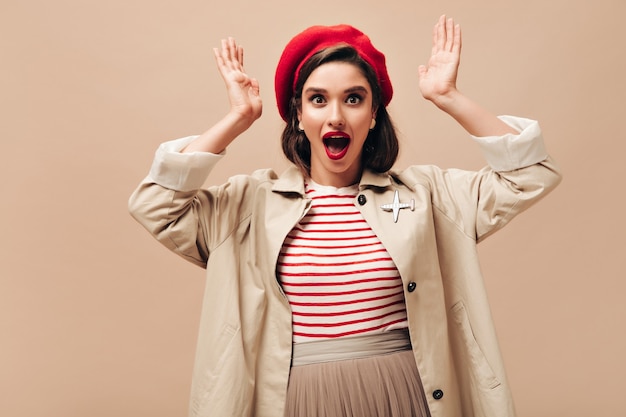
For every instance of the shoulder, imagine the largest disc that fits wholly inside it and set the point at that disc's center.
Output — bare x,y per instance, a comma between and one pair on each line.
257,177
262,176
247,183
268,181
418,175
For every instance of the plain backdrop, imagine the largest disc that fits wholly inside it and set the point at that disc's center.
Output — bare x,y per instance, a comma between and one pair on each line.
97,319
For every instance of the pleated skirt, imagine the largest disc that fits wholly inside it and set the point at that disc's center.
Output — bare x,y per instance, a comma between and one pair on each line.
376,385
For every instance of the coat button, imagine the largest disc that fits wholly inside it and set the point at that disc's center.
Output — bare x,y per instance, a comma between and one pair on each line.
361,199
411,286
437,394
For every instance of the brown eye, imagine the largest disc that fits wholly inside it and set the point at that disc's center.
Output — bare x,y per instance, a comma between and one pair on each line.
353,99
317,99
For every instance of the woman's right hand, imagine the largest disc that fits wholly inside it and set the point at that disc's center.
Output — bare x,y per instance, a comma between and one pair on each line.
243,90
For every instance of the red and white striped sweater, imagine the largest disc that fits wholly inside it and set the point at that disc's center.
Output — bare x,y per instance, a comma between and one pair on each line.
338,277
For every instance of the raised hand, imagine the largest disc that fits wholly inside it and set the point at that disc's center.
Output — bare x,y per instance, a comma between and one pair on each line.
245,102
437,82
438,79
243,90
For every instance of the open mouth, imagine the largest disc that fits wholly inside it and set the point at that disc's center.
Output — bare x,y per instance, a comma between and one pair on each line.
336,144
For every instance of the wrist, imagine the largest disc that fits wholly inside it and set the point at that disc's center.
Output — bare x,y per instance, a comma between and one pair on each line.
238,121
221,134
474,118
449,101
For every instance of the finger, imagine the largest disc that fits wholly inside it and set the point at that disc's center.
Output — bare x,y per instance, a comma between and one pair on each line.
219,60
433,50
240,55
226,57
449,30
456,46
224,54
218,57
232,53
441,34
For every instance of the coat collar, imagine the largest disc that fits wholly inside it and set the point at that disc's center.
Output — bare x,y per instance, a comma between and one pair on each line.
375,179
292,181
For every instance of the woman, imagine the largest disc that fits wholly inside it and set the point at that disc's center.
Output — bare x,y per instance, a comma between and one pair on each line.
342,287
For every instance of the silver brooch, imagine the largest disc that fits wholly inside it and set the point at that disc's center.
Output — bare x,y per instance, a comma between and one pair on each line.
396,206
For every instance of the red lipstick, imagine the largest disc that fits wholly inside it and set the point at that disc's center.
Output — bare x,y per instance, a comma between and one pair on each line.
336,144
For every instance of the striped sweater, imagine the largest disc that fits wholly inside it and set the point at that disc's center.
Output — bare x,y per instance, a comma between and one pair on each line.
339,279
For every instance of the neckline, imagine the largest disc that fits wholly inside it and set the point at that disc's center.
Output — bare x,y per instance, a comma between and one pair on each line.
327,189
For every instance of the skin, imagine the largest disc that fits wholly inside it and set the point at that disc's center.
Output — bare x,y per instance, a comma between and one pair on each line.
437,83
336,101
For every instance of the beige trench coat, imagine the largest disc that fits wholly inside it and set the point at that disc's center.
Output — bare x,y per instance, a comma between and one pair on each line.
236,231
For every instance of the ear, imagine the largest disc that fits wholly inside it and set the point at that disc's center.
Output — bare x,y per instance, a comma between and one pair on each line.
300,128
373,122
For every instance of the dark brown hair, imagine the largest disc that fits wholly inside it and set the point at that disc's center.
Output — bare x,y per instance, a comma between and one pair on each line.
381,147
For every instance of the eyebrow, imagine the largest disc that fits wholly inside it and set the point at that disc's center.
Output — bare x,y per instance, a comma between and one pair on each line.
355,89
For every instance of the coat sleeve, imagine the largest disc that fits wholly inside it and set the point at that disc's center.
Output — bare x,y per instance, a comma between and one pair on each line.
519,173
171,205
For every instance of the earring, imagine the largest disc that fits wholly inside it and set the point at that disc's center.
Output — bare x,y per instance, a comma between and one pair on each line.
373,124
300,128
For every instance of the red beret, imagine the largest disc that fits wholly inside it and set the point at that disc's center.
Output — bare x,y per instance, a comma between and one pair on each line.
314,39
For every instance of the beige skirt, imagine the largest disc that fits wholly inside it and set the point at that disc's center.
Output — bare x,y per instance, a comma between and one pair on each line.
380,379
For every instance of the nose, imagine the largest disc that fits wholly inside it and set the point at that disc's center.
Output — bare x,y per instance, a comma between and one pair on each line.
336,118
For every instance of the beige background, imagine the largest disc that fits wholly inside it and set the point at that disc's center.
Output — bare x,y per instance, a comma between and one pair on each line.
97,319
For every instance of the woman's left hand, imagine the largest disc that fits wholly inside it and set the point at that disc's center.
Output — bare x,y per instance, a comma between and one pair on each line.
437,80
